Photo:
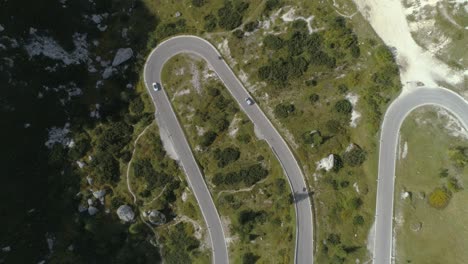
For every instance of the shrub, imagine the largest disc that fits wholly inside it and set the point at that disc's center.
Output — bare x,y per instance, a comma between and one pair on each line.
273,42
210,22
226,156
344,106
276,72
271,5
106,166
334,126
459,156
312,82
208,138
313,98
338,164
249,258
358,220
244,138
334,239
342,88
82,146
198,3
220,124
229,16
454,185
238,33
170,29
443,173
126,156
284,110
319,57
355,157
297,43
114,138
439,198
251,26
300,25
137,106
312,138
249,176
356,203
213,91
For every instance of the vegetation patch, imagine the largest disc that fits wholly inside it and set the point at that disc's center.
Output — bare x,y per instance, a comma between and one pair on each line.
429,191
246,180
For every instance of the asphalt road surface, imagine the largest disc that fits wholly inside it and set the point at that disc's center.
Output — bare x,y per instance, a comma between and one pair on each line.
168,121
393,119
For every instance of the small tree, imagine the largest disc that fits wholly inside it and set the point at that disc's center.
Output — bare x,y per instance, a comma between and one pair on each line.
284,110
358,220
238,33
439,198
344,107
273,42
334,239
313,98
251,26
355,157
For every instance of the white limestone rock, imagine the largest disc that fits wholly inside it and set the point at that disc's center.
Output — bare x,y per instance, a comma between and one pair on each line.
326,163
99,194
125,213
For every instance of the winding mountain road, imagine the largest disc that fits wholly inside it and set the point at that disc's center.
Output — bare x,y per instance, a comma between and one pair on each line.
393,119
168,121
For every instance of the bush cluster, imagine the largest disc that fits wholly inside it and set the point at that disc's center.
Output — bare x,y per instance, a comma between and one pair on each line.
226,156
284,110
248,176
355,157
344,107
231,14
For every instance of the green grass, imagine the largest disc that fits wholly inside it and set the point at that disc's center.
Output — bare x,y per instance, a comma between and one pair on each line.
272,240
443,236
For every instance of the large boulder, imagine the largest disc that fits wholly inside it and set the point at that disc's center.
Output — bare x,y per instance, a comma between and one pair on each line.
156,217
122,56
125,213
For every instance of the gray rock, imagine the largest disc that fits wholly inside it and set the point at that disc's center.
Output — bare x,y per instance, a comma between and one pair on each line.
107,72
6,249
178,14
125,213
99,194
82,208
122,56
92,210
89,180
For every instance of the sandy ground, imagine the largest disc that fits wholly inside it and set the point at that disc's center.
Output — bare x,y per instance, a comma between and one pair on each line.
416,65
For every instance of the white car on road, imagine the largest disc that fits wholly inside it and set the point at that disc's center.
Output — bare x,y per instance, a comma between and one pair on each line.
249,101
156,87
